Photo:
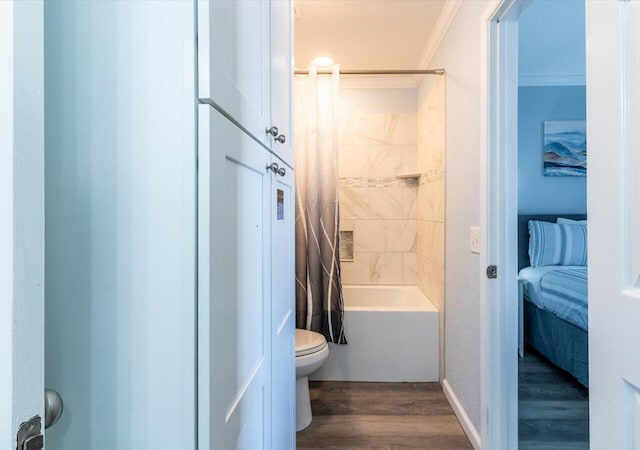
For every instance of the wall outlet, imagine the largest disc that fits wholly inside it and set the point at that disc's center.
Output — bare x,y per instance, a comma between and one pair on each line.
474,240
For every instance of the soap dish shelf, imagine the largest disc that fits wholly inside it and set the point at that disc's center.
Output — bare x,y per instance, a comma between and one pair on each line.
408,176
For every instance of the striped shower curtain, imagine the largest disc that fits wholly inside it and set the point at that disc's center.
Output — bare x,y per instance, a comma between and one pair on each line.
319,304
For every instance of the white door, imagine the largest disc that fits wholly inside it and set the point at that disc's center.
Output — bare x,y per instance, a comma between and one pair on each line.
234,287
613,136
283,308
234,62
21,218
281,82
120,224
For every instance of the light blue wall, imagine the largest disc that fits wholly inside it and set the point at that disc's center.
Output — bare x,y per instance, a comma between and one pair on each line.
552,43
537,193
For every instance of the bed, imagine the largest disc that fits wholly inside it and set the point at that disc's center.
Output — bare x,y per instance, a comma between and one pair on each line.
555,305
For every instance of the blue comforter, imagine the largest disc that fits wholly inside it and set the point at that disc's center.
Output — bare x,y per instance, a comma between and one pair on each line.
561,290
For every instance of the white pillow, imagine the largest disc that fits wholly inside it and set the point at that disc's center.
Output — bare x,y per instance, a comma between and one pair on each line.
564,221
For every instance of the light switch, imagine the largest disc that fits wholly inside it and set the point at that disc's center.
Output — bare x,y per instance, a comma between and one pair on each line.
474,239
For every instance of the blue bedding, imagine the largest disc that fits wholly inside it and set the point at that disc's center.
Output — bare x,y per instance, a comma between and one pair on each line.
562,343
561,290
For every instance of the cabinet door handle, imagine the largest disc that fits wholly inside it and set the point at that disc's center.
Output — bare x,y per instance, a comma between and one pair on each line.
273,167
273,131
282,171
282,139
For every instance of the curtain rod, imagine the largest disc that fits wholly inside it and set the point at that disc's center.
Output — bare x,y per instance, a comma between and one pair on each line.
376,72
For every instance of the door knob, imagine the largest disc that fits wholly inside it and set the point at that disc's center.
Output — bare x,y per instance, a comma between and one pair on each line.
273,131
53,407
273,167
282,139
282,171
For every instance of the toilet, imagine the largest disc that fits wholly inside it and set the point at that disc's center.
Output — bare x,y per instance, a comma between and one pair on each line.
311,353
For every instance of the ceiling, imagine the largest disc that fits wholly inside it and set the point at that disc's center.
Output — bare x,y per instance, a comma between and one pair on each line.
364,34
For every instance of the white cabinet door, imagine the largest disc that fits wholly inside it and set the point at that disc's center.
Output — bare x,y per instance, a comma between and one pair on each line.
281,78
283,308
234,63
613,112
234,287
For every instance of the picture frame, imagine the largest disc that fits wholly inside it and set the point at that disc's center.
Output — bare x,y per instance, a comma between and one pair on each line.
565,148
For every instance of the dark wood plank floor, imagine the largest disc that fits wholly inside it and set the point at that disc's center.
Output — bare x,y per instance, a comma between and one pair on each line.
349,415
553,407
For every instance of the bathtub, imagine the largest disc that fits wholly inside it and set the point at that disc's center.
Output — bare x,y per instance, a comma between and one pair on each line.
393,334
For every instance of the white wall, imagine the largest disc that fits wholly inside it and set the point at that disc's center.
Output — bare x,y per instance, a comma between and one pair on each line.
460,54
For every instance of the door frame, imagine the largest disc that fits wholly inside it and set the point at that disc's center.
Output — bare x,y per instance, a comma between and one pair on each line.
21,216
498,222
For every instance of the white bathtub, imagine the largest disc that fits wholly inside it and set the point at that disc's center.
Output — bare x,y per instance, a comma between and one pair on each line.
393,335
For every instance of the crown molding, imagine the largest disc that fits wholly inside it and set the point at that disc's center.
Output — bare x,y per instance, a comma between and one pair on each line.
551,80
448,13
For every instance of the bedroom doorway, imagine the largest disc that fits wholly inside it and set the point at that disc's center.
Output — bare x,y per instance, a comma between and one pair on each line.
536,96
553,369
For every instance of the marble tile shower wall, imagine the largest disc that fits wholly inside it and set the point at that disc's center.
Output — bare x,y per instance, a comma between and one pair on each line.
377,206
431,192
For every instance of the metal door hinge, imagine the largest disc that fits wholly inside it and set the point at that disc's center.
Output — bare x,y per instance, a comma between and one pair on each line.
492,271
30,435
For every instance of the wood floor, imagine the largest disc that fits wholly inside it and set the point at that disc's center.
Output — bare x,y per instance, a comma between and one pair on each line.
349,415
553,407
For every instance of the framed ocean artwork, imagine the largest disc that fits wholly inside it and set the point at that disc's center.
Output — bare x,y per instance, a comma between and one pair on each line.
565,148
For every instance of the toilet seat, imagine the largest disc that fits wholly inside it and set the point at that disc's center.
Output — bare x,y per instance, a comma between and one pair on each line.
308,342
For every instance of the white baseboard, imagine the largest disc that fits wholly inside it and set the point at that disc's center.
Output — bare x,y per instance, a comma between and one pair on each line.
461,414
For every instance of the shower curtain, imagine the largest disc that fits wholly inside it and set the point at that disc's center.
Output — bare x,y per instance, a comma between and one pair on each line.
319,303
